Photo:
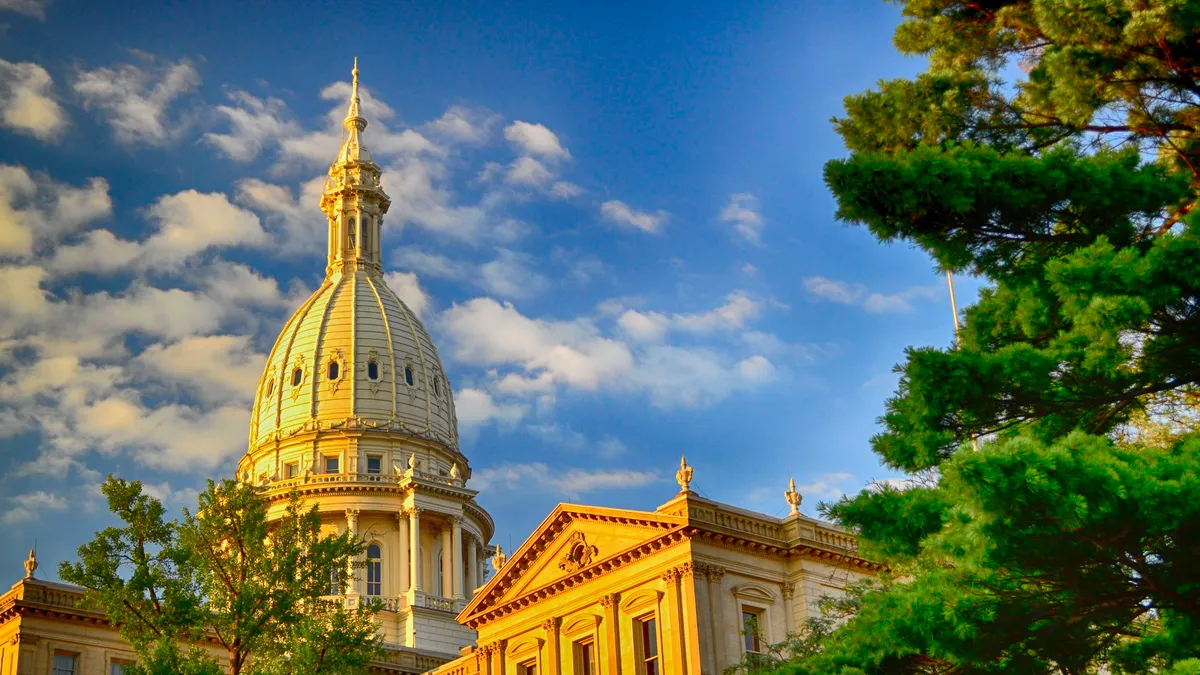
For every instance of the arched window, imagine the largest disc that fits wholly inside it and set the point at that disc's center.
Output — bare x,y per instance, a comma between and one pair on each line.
372,370
374,570
297,377
408,375
333,370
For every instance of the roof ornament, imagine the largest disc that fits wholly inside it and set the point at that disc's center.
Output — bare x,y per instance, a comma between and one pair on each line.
454,470
499,559
793,497
353,117
412,462
31,564
684,475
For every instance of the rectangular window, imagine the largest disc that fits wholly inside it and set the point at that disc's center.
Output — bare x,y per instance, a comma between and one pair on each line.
752,629
585,658
334,586
64,664
291,470
647,632
528,668
374,464
117,668
331,465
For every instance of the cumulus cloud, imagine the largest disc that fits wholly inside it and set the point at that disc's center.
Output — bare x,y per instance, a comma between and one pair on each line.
408,288
857,295
567,483
35,209
188,224
218,368
463,125
476,406
28,507
535,140
254,123
27,103
509,275
650,326
742,213
298,226
139,103
622,214
536,357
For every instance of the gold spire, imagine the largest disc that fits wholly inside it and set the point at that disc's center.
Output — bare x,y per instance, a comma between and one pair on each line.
353,117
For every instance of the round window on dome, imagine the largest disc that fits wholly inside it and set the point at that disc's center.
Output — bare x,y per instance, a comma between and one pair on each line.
297,377
333,370
372,370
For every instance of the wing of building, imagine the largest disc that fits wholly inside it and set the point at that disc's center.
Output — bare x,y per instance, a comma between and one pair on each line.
355,412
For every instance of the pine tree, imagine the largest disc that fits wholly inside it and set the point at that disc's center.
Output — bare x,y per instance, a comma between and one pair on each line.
225,575
1051,149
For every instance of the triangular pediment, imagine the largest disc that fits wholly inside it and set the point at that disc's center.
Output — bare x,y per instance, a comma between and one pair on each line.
571,540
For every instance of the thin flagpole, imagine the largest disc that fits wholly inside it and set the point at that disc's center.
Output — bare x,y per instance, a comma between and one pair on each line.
954,308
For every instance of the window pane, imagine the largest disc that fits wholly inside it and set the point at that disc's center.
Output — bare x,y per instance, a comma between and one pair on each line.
586,659
408,376
649,639
116,669
289,470
64,664
372,370
374,464
331,465
333,370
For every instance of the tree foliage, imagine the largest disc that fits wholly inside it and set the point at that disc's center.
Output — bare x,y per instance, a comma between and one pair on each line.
226,575
1051,148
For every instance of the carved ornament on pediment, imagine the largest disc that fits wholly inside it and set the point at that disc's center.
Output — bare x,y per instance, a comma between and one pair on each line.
579,554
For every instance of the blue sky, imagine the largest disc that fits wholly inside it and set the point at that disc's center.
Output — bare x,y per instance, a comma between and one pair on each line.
609,215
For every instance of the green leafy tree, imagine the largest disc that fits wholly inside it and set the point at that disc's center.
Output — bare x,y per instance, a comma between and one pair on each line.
226,575
1050,148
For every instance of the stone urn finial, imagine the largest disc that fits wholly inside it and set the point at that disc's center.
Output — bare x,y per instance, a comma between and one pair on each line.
31,564
499,559
684,475
793,497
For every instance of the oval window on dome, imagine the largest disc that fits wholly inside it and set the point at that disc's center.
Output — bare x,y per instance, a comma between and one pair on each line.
408,375
333,371
270,386
437,386
372,370
297,377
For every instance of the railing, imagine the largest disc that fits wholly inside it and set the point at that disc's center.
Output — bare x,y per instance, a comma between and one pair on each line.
35,592
391,478
443,604
354,601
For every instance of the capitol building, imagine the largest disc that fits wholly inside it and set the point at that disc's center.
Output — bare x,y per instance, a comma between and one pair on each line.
355,412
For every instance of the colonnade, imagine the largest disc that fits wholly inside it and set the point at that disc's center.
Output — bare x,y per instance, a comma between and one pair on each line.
460,549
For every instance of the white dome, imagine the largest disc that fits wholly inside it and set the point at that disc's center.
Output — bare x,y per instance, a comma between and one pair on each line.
346,359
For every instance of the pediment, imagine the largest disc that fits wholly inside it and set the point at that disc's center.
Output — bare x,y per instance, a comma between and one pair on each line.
569,542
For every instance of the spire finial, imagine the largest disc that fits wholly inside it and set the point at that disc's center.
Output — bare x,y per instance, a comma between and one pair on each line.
793,497
353,117
31,564
684,475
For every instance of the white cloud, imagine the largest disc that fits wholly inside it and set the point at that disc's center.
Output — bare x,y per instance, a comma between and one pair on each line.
408,288
510,276
463,125
28,507
27,103
297,224
622,214
35,209
538,356
644,326
219,368
825,487
650,326
475,407
858,295
33,8
528,171
138,102
570,482
254,123
742,211
535,140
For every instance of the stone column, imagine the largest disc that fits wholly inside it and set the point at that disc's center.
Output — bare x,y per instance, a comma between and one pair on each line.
352,526
671,624
716,610
789,595
553,663
472,566
612,633
456,558
689,620
414,549
401,553
447,565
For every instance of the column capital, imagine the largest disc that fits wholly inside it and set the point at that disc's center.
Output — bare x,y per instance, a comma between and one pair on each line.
608,600
788,589
414,511
352,513
715,573
551,625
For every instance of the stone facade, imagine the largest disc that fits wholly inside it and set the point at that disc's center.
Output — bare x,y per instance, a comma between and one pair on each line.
666,591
